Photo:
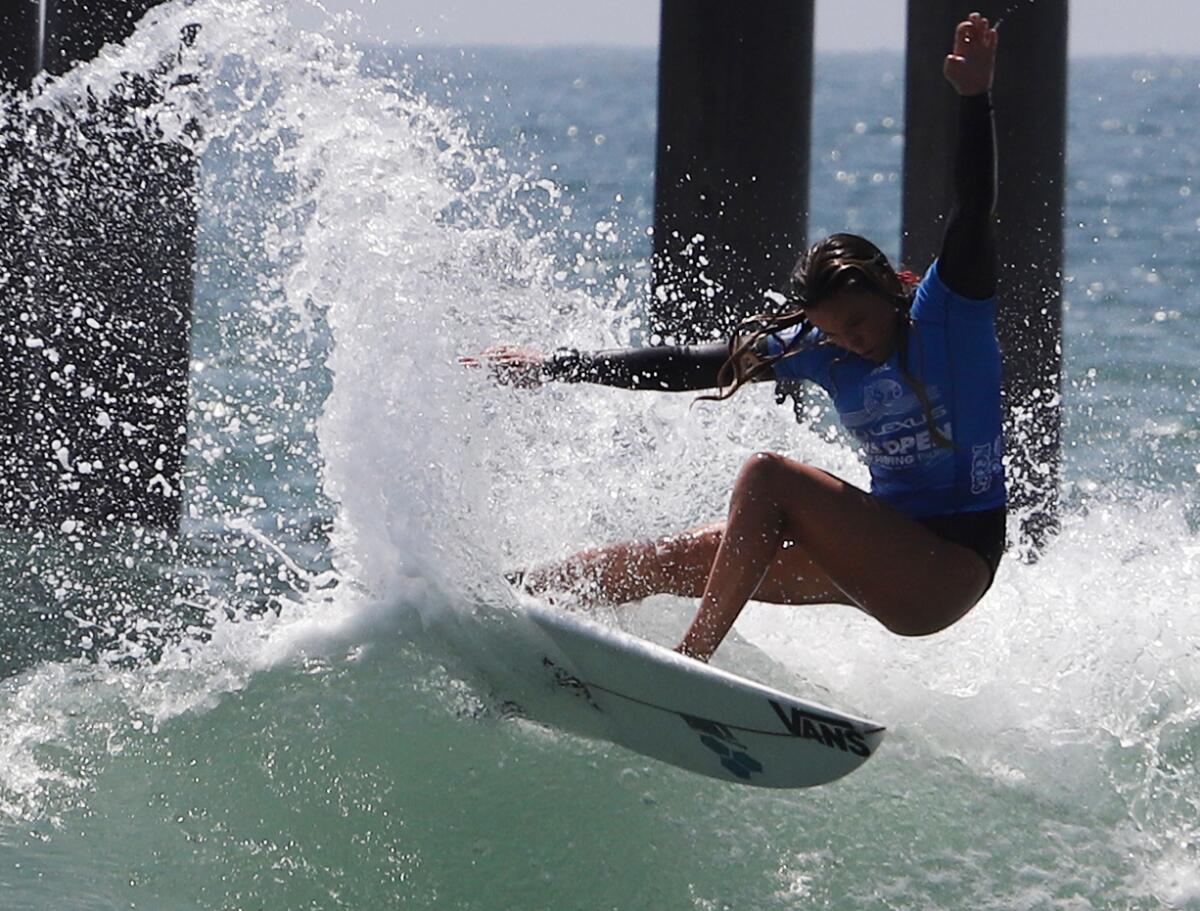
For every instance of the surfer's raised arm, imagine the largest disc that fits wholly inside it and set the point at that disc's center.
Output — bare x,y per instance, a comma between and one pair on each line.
968,263
670,368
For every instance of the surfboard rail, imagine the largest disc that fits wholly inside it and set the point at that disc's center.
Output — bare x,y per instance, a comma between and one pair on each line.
698,717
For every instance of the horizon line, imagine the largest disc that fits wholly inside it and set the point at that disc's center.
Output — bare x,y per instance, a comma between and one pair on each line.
582,45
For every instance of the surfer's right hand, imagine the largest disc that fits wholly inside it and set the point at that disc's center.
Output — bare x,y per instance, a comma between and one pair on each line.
510,365
972,61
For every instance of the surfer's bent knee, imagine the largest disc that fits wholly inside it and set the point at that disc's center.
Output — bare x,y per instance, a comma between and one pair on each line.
764,471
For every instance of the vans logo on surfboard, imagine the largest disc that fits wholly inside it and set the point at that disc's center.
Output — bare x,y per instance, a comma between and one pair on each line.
830,732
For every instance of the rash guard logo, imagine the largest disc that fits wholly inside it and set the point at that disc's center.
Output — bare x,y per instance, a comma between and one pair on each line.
987,465
981,468
881,395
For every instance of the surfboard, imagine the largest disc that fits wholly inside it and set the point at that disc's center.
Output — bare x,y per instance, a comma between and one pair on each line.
661,704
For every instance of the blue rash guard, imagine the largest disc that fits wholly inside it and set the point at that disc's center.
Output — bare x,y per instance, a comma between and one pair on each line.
952,351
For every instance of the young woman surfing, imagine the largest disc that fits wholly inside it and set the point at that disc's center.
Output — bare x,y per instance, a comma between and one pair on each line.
913,369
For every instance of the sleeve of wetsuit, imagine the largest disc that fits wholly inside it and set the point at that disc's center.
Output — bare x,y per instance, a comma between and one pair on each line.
968,264
675,368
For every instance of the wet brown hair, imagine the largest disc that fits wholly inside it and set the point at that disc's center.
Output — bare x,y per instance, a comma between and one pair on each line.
837,263
831,265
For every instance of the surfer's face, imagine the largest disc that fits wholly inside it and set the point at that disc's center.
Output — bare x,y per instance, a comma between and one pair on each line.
858,319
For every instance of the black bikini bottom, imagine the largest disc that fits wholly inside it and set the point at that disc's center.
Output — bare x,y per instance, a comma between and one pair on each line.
982,532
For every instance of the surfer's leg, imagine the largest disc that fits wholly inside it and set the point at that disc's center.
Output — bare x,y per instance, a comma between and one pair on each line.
891,566
631,570
679,565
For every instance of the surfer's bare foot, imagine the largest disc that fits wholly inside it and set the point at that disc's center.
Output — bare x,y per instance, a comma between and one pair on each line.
683,649
560,579
539,584
629,571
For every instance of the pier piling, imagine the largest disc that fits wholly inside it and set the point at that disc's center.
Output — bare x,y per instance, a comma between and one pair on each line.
97,228
731,180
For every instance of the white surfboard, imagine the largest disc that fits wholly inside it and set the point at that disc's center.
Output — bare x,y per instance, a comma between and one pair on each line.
659,703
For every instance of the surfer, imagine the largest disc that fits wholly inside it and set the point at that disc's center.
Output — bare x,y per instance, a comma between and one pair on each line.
913,368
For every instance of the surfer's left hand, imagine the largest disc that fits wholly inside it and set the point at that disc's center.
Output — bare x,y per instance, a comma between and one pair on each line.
510,365
970,65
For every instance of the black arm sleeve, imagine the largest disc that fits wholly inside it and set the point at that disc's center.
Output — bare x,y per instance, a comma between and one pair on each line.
968,263
675,368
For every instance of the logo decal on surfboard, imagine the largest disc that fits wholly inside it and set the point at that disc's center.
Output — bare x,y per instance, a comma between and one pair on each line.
687,713
830,732
721,740
570,682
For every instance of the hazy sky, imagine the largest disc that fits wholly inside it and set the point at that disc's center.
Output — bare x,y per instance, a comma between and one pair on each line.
1097,26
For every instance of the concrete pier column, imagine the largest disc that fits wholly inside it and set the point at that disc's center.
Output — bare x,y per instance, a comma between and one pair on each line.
731,181
1030,98
97,228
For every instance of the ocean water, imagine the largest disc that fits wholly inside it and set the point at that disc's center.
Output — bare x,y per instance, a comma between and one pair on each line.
300,703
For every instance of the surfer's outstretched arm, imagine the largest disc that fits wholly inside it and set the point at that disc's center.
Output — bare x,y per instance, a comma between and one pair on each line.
670,368
673,368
